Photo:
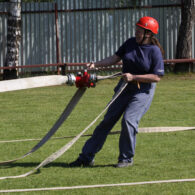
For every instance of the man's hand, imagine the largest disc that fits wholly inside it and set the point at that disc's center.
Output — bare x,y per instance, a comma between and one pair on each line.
128,77
91,65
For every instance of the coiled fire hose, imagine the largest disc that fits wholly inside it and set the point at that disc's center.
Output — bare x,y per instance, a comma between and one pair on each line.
82,81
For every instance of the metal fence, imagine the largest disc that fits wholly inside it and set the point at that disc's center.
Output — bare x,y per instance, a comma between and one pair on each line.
88,29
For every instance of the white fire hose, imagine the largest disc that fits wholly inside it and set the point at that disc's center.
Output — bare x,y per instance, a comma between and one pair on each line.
73,102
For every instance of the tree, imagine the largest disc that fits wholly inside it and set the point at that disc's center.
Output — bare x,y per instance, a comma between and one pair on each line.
184,42
13,37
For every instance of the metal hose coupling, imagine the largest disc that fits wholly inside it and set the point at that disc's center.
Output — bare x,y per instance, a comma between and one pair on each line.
82,79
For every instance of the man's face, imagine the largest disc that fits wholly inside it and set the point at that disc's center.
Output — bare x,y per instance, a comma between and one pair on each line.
139,34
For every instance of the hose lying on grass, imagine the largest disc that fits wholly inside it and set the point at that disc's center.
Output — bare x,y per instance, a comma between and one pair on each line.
61,151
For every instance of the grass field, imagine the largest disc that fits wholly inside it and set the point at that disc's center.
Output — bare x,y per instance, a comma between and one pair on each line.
159,156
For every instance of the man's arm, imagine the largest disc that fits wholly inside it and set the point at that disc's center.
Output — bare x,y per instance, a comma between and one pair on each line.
114,59
146,78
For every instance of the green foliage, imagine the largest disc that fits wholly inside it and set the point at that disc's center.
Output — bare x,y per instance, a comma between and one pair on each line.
159,156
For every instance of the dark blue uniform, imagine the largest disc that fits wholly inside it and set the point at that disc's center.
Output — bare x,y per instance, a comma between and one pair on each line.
132,103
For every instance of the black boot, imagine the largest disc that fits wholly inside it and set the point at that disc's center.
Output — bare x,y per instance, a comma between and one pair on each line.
122,164
80,163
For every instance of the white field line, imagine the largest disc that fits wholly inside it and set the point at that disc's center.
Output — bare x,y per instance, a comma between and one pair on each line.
98,186
141,130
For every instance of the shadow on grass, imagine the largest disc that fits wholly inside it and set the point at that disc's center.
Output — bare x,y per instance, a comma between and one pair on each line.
54,164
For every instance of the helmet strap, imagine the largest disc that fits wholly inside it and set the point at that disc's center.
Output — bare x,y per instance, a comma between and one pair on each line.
143,37
145,31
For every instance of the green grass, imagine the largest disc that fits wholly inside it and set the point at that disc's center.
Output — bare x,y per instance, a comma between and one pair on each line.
159,156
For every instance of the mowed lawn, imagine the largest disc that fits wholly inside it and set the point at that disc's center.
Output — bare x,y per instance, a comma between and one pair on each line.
31,113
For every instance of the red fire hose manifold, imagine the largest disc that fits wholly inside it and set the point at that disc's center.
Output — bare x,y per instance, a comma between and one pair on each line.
82,79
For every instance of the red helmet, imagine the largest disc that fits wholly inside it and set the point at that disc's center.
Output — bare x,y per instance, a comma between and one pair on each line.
148,23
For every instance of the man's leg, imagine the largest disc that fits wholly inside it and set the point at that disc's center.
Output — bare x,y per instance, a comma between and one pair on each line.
136,108
95,143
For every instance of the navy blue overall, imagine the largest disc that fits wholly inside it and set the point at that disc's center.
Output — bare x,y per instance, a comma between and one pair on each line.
132,102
